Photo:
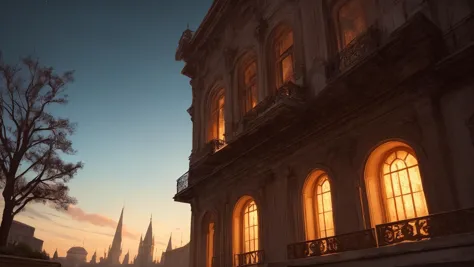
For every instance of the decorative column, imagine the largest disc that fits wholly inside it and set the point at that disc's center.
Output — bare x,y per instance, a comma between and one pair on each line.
194,257
298,50
228,79
195,116
221,230
436,149
262,57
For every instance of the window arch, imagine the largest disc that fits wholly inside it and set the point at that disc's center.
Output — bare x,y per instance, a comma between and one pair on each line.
394,184
248,83
250,227
351,19
217,116
246,229
318,208
284,60
208,238
403,191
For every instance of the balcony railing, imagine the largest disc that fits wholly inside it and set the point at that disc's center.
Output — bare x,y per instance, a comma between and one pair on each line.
288,91
334,244
209,148
216,145
435,225
291,90
416,229
354,52
182,182
249,258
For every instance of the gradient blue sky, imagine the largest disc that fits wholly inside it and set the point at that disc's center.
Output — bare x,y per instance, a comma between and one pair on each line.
129,100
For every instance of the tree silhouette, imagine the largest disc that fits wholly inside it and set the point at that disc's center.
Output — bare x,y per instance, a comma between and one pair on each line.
32,139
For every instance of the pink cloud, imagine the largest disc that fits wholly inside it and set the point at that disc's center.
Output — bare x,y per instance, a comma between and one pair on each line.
80,215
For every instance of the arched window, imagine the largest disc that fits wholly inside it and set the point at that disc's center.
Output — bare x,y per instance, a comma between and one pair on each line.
207,240
250,230
324,207
210,244
404,197
394,184
352,20
284,58
246,245
317,202
217,118
249,86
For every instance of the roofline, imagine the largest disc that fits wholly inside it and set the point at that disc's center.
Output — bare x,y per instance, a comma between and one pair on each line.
216,6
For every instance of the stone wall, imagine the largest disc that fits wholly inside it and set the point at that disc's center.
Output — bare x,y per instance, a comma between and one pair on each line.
10,261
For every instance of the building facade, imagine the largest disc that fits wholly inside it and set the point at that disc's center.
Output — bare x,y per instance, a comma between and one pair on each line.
331,132
178,257
23,233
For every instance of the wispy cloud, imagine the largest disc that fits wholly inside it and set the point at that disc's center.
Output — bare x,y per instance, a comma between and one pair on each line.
80,215
36,214
33,214
61,235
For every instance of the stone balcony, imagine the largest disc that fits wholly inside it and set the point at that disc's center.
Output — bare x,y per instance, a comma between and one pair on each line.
253,258
442,232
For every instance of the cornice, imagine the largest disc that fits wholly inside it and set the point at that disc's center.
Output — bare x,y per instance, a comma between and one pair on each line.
211,20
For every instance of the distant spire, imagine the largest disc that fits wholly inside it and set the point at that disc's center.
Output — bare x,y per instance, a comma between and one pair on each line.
116,248
187,26
126,259
169,247
94,258
149,234
55,256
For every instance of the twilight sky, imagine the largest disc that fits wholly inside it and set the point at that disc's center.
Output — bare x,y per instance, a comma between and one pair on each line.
129,100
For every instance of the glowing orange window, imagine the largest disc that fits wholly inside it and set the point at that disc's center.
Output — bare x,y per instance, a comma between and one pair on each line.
250,227
324,207
352,21
210,244
284,58
404,196
250,87
218,118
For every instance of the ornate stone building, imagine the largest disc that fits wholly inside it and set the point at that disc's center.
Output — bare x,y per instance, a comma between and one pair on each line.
331,132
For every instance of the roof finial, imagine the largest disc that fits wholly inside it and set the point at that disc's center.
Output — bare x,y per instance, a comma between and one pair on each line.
187,26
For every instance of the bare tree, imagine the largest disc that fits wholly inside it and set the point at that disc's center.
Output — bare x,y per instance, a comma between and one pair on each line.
32,139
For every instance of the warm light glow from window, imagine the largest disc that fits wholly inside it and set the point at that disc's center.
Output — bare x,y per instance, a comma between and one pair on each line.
210,245
250,87
284,58
250,227
218,118
324,208
352,21
317,206
404,195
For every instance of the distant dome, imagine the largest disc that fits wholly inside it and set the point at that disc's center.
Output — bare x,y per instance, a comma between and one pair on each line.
77,251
